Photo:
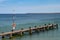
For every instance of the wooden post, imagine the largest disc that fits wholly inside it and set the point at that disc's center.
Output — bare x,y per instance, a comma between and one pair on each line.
49,24
47,28
3,35
37,29
10,35
21,31
30,31
43,29
57,26
51,27
45,24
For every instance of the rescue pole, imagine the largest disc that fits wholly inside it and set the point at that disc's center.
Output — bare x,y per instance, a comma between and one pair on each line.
14,24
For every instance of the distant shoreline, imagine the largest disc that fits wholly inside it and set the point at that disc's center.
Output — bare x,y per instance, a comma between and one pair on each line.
29,13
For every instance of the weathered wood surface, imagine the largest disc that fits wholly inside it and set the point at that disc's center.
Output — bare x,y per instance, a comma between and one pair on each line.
24,30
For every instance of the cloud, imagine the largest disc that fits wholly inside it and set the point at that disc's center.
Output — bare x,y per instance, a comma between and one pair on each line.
2,1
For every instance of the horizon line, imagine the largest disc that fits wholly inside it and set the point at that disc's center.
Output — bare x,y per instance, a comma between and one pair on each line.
30,13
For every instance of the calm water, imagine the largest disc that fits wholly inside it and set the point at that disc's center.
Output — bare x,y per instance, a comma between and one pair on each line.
27,20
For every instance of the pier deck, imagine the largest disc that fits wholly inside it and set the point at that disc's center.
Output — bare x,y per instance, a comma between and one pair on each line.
29,30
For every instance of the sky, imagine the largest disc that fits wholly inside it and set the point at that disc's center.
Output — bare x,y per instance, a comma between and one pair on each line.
29,6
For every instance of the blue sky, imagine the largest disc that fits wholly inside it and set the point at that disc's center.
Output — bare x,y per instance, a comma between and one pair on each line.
29,6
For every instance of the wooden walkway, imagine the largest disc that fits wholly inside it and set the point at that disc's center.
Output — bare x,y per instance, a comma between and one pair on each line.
37,29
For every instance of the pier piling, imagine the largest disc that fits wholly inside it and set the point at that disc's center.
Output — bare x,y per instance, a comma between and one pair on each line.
10,36
57,26
3,35
30,30
22,31
37,29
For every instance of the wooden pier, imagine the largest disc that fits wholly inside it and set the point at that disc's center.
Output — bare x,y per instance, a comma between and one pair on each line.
30,30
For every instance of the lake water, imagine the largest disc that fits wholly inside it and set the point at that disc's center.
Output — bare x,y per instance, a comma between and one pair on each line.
27,20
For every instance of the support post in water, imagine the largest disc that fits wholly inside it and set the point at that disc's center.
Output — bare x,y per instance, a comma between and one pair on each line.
37,29
45,24
3,35
45,27
22,31
48,27
10,36
52,26
49,24
57,26
30,30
